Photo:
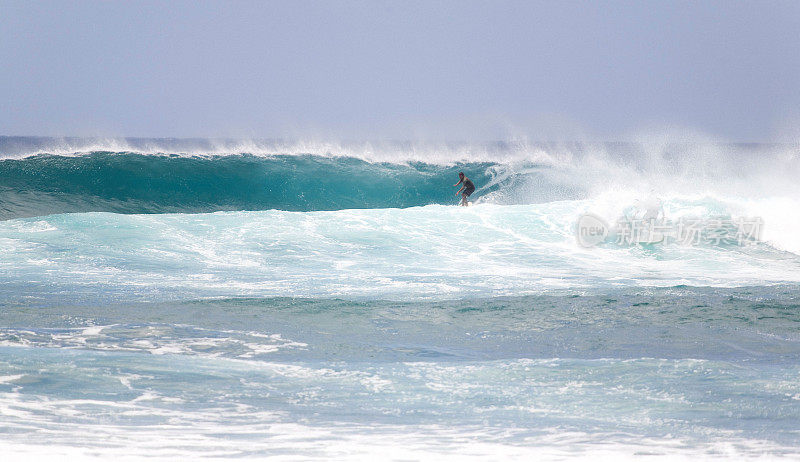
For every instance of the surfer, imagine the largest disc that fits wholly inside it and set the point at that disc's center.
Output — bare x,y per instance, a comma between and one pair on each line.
468,188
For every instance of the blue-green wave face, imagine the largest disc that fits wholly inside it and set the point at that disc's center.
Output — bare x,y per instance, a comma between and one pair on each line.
137,183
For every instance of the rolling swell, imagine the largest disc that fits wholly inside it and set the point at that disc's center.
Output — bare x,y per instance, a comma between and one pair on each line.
138,183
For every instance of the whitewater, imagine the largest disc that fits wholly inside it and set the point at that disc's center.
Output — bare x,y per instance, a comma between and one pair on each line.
174,298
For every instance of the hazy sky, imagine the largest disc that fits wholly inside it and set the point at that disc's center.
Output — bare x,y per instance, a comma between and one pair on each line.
435,69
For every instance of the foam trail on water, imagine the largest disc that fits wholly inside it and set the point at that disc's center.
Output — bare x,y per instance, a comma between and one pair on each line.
433,251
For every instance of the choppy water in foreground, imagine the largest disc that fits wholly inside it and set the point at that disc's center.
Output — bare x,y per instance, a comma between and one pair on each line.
159,303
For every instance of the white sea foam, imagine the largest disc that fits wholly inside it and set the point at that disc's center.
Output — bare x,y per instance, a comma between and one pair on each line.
156,340
298,442
601,409
433,251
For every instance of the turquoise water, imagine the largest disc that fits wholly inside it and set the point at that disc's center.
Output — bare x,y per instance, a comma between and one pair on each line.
138,183
180,301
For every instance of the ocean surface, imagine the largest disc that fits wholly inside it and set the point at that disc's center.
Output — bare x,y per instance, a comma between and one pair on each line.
187,299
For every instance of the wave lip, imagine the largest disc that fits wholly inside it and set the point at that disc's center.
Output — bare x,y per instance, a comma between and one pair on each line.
438,153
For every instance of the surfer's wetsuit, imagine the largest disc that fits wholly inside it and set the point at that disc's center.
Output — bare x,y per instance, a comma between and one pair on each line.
469,187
